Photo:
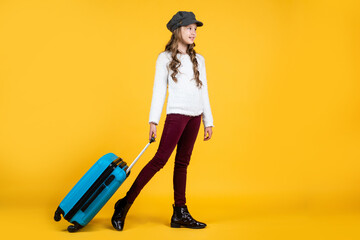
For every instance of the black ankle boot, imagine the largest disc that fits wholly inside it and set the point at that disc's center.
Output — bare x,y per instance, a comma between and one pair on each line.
182,218
121,209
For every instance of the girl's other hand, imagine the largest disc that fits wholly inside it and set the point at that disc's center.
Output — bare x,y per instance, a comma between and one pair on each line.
152,131
207,133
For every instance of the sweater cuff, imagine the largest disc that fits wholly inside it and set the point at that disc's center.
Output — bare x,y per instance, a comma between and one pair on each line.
208,124
153,122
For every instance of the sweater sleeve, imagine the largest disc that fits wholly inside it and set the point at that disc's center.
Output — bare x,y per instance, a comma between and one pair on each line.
159,89
207,115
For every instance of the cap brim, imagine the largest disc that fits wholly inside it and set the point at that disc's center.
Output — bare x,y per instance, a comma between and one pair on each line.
191,21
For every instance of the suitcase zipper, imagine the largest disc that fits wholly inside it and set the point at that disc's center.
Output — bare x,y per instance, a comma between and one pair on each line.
93,197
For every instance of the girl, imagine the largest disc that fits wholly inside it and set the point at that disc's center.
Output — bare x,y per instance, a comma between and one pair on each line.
180,69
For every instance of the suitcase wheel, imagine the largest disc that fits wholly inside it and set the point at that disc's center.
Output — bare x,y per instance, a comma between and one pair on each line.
58,212
74,228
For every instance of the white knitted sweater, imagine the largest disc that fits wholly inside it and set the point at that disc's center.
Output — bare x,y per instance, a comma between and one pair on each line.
184,96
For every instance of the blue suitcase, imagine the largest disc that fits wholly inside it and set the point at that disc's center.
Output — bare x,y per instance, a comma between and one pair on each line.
93,190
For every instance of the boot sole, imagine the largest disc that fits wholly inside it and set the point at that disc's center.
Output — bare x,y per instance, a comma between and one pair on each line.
177,225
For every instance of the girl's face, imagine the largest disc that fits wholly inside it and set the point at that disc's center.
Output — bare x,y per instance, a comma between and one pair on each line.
188,33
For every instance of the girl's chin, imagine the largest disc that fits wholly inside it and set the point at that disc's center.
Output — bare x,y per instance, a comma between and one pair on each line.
188,42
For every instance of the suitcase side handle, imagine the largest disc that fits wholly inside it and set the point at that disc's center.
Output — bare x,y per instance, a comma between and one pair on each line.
137,158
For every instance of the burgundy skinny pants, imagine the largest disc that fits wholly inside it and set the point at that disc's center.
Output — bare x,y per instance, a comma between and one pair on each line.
180,130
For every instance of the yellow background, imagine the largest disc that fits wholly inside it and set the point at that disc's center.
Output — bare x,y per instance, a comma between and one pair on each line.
76,82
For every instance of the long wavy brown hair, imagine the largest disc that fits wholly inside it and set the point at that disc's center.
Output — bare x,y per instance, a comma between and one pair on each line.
172,47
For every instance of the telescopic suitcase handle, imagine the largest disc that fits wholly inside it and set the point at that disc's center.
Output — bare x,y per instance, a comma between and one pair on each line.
137,158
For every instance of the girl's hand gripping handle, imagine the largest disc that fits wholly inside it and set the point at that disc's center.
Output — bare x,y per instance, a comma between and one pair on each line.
152,132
